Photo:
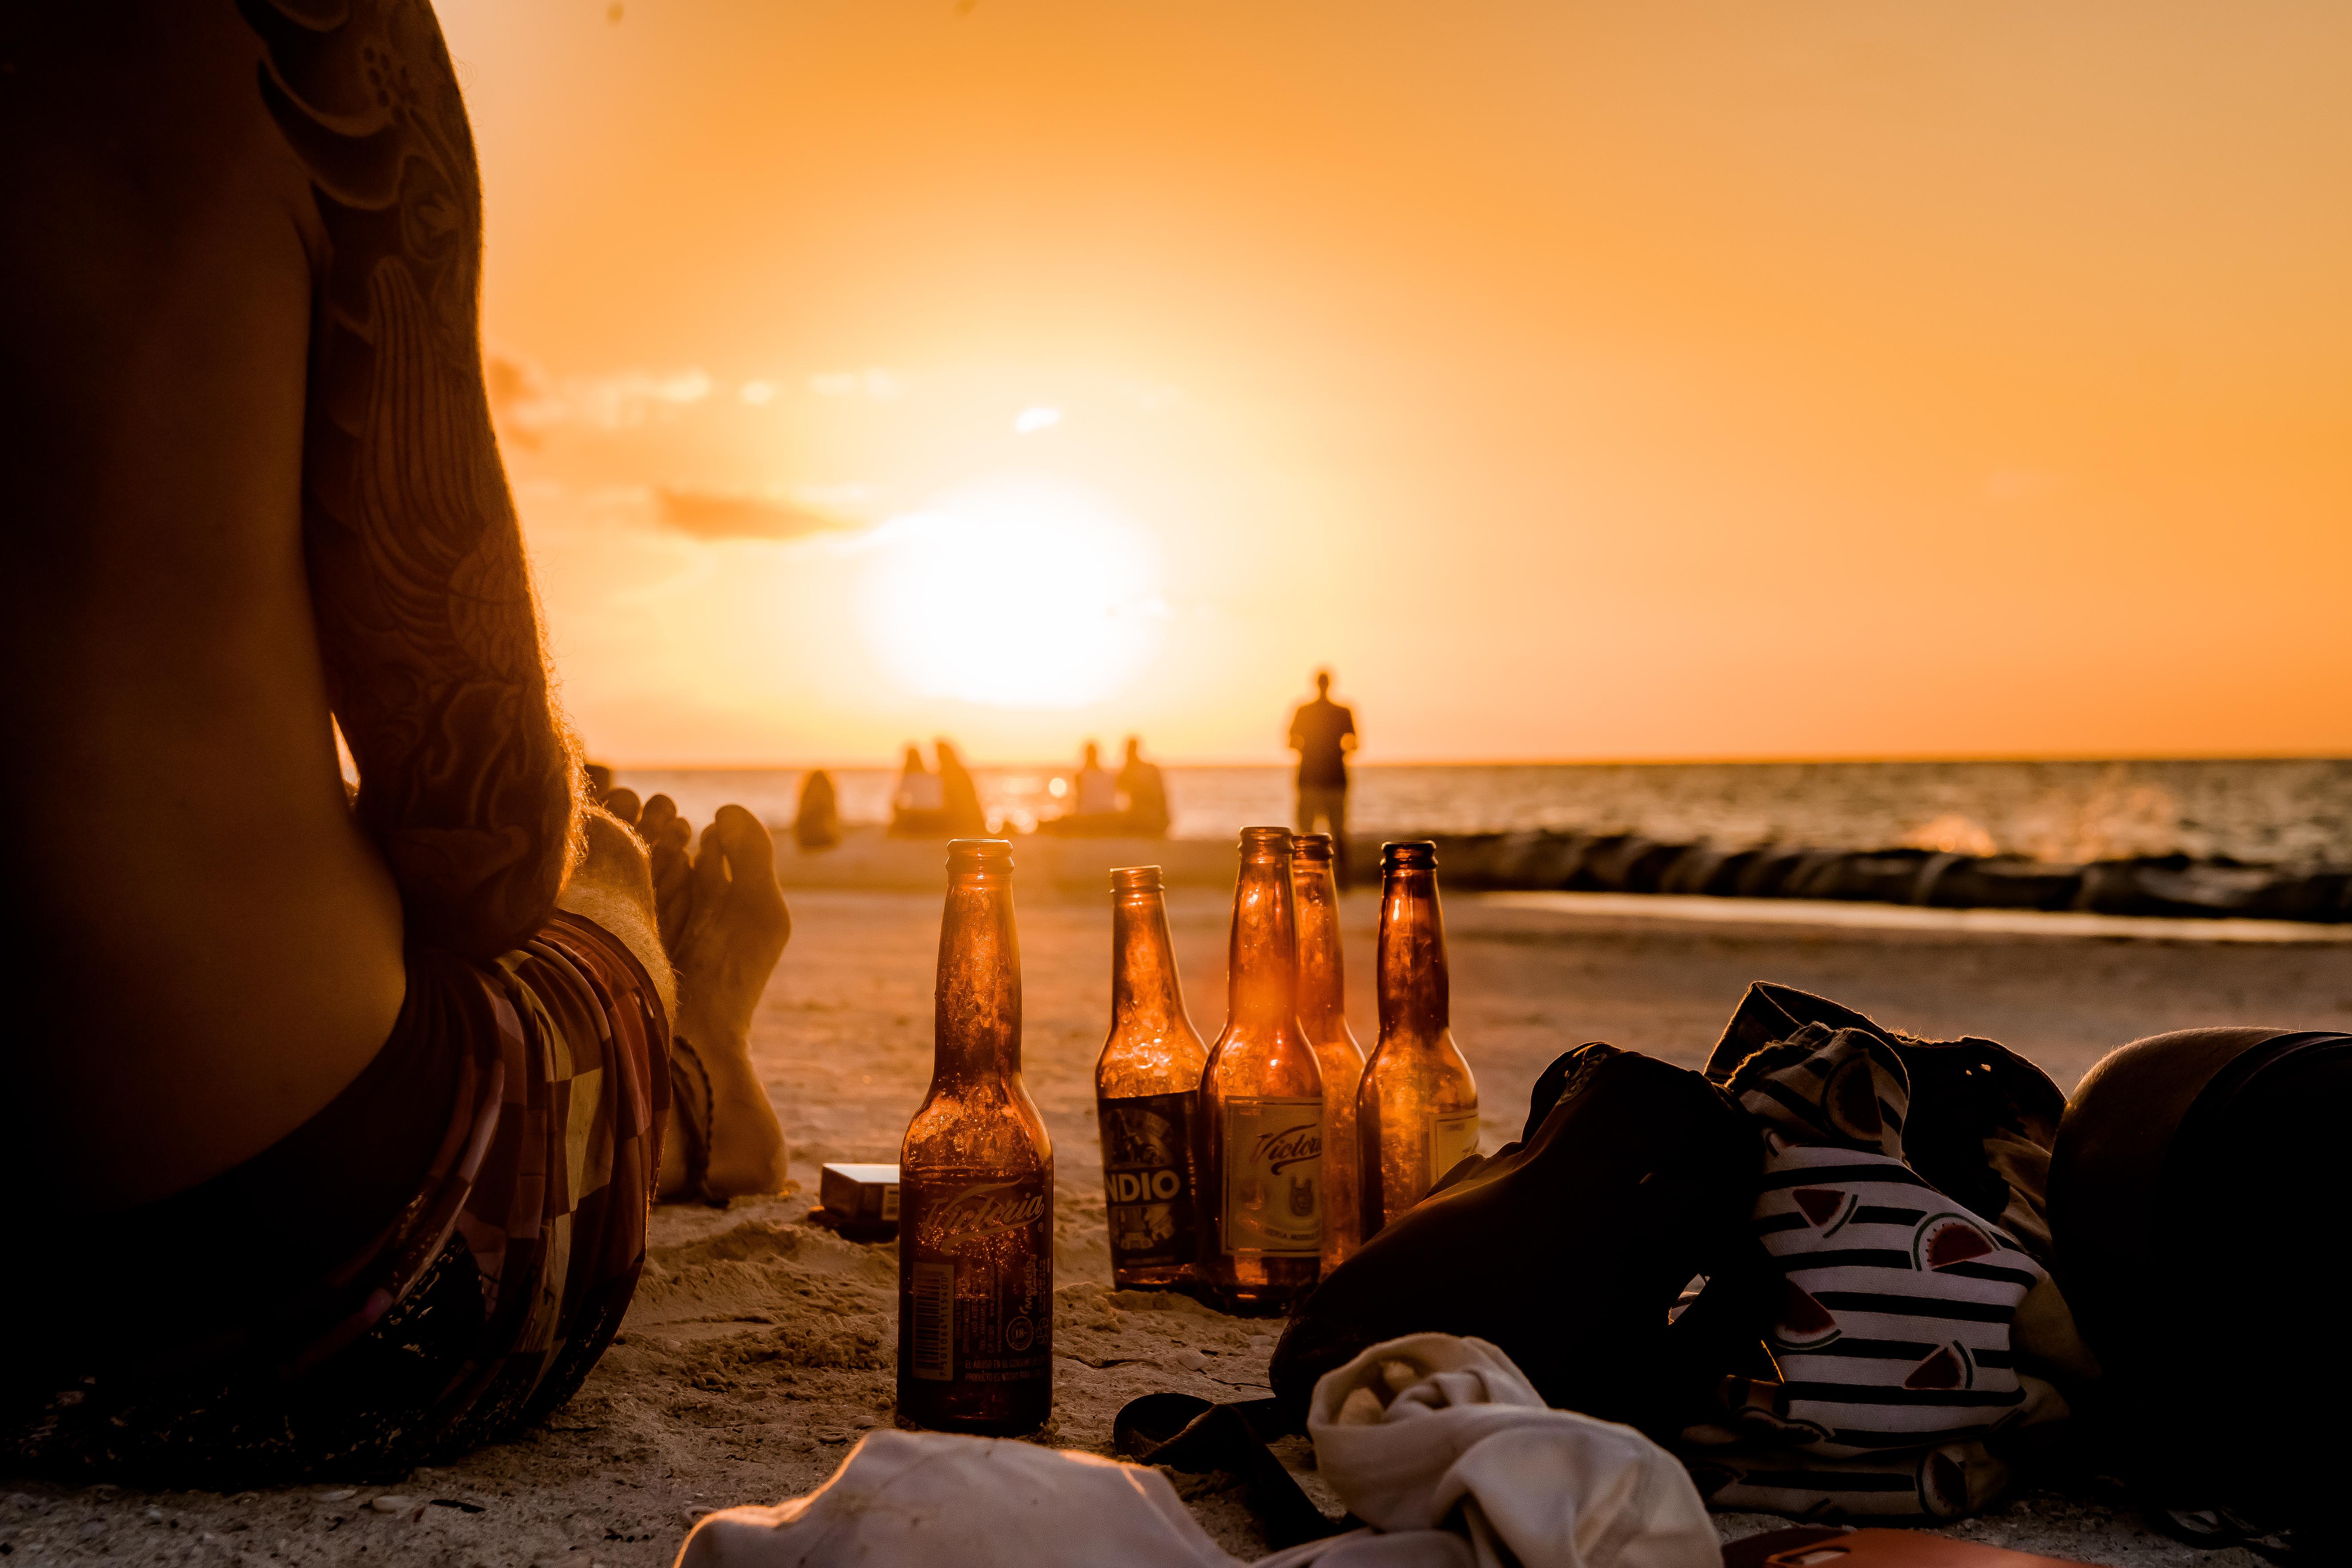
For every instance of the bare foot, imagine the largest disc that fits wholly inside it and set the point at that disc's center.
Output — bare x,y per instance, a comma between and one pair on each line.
725,924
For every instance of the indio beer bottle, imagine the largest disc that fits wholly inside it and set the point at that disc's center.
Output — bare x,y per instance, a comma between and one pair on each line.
1417,1110
1322,1012
976,1183
1262,1102
1148,1094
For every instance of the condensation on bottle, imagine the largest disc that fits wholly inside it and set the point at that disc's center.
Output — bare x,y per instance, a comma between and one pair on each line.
976,1183
1262,1102
1323,1013
1417,1107
1148,1094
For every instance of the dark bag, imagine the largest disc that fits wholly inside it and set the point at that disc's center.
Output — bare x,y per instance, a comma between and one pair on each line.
2199,1192
1566,1249
1982,1118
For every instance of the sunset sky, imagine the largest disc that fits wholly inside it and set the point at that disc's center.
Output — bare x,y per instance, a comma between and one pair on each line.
1639,380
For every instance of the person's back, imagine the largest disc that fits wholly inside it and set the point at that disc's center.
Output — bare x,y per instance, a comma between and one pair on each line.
960,796
255,476
195,880
1094,793
1146,791
817,824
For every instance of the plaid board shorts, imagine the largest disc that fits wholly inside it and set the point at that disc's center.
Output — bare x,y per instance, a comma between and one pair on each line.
473,1308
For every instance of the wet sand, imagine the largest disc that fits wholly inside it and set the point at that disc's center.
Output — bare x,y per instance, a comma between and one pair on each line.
758,1347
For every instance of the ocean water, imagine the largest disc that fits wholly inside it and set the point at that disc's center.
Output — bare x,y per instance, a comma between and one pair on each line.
2286,813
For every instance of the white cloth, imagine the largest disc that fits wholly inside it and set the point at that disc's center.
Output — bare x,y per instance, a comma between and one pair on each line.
1462,1467
926,1500
1466,1465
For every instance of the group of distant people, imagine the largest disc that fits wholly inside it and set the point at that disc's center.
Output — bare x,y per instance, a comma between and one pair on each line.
942,801
1129,803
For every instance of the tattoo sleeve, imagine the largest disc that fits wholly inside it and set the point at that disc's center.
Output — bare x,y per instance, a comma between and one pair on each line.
422,596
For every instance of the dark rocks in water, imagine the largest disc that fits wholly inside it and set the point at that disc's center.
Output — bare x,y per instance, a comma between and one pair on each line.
1696,870
2174,885
1887,877
2002,882
2177,886
1625,863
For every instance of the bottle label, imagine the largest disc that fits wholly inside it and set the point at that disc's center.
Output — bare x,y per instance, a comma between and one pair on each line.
1453,1138
981,1280
1274,1177
1147,1150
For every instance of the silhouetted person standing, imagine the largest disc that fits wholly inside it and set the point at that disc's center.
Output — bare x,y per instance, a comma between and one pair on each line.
1323,732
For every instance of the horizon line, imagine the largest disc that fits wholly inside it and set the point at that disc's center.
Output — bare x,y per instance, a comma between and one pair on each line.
1724,760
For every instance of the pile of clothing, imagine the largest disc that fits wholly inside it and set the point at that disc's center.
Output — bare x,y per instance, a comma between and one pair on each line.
1842,1274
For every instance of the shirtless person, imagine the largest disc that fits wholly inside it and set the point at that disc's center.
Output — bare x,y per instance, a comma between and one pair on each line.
332,1128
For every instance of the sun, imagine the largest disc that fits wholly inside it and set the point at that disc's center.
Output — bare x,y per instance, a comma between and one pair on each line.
1028,595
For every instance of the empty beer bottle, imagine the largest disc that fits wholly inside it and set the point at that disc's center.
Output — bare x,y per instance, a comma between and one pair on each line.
1262,1102
1417,1110
1148,1094
976,1183
1322,1012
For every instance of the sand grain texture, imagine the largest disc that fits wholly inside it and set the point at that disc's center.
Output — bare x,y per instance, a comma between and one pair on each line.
760,1347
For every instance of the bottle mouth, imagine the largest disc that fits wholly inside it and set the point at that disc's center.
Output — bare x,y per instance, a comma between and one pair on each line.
980,855
1312,846
1135,879
1412,854
1256,841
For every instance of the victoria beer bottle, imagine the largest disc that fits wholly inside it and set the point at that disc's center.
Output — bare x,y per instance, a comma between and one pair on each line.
976,1183
1262,1102
1322,1012
1148,1094
1417,1111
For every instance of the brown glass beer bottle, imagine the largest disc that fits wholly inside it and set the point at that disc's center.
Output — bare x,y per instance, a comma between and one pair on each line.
1262,1102
1148,1094
1417,1111
976,1183
1322,1012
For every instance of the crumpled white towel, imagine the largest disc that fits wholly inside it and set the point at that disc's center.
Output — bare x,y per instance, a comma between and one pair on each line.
1417,1429
927,1499
1439,1442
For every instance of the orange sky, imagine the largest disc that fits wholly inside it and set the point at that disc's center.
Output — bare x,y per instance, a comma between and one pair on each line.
1658,380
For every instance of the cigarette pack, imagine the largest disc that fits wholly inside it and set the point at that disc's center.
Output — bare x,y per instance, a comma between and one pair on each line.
861,1201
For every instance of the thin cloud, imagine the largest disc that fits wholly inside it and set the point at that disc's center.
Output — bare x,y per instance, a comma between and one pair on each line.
716,514
526,403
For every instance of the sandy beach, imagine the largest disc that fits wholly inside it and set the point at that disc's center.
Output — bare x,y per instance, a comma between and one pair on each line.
758,1347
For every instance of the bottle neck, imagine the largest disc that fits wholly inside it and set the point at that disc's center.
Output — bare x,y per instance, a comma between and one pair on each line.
1322,981
1415,997
977,1003
1262,984
1145,994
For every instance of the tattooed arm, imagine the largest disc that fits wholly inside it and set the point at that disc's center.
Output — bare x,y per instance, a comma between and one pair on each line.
417,575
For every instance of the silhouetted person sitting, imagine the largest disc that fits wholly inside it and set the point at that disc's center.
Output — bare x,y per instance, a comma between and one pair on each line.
1323,732
919,808
335,1121
1094,802
959,797
1145,790
817,824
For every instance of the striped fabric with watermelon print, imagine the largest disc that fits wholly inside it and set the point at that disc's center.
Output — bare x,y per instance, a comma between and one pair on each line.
1892,1332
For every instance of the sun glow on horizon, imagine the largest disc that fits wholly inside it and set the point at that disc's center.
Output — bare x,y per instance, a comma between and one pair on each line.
1032,595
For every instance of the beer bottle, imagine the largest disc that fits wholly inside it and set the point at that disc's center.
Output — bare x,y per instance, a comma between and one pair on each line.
1322,1012
1417,1112
1148,1094
1262,1102
976,1183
